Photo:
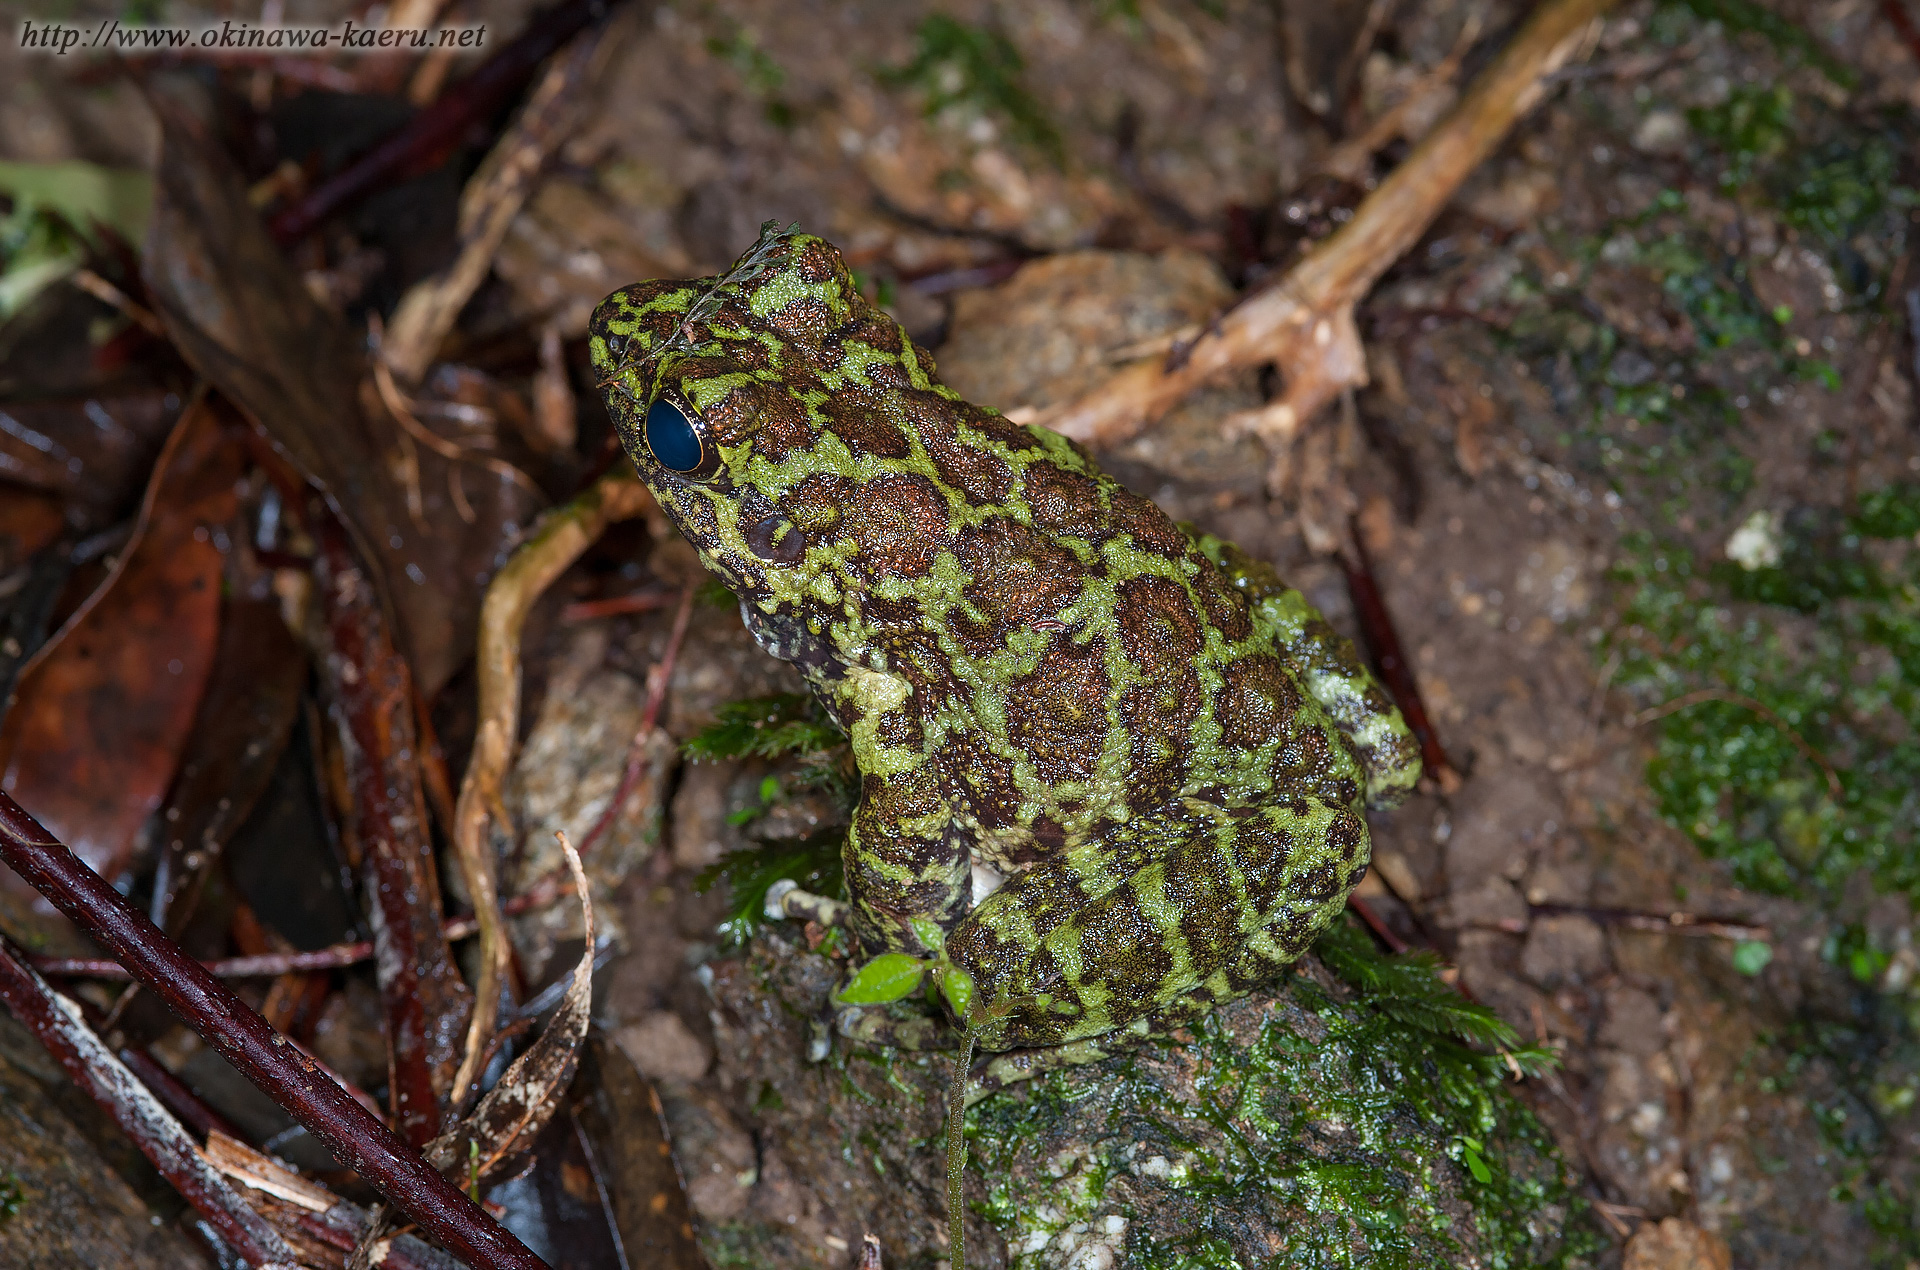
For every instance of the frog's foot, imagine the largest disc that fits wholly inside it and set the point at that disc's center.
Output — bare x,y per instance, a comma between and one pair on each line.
785,899
894,1026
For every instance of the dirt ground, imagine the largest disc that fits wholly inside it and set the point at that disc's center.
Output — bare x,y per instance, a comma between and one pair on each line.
1729,997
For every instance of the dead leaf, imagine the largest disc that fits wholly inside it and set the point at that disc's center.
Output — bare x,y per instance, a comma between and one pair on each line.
95,450
243,318
103,710
251,702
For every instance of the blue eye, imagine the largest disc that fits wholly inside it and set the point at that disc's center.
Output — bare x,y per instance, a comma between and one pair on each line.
672,439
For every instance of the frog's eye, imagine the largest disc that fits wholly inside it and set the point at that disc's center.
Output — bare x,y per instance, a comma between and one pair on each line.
675,441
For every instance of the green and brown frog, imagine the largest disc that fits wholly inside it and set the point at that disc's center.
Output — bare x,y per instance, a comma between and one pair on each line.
1113,771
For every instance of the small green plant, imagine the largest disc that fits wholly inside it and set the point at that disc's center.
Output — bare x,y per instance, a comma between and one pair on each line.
12,1197
972,70
789,727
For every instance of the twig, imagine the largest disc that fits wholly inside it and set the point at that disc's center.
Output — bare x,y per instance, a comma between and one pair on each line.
309,1214
105,292
649,723
242,1037
369,690
333,957
56,1024
182,1101
559,539
1381,931
1676,923
488,205
614,606
425,141
1656,713
1305,323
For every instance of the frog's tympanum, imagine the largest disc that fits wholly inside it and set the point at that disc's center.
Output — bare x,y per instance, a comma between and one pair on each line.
1112,770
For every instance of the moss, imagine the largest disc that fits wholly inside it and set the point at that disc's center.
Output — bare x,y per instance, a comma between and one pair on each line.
973,70
1308,1129
1783,679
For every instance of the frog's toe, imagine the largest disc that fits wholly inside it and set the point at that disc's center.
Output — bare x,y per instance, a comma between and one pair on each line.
876,1025
785,899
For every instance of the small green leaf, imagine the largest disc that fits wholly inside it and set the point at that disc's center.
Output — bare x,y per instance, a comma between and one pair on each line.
928,932
1782,314
1478,1167
770,789
956,986
1751,956
887,977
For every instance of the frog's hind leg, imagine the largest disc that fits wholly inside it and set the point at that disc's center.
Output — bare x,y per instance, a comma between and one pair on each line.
1262,961
1221,882
1330,669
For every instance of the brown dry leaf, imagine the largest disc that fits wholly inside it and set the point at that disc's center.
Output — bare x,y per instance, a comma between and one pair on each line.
242,317
621,1115
245,718
104,709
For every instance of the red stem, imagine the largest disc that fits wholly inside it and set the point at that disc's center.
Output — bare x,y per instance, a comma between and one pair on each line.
424,142
370,692
242,1037
1378,634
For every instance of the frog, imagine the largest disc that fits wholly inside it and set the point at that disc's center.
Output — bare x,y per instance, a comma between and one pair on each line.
1113,771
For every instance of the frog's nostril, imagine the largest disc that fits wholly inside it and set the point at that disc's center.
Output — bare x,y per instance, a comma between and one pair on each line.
671,438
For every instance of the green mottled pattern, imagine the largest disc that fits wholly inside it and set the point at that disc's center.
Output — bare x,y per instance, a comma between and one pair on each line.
1164,749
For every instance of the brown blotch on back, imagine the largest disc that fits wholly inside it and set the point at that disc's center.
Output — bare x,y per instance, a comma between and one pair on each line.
1064,502
865,421
1159,718
901,524
1058,714
1257,703
1152,529
1225,608
960,454
1158,625
1019,576
784,426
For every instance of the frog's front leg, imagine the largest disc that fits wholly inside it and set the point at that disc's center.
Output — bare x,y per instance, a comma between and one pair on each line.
907,870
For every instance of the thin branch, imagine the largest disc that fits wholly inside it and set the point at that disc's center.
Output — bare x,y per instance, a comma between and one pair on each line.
424,142
369,691
242,1037
649,723
1305,322
560,538
1383,642
56,1023
272,965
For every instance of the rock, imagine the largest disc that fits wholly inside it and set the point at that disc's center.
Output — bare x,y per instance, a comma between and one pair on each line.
1281,1125
1057,328
664,1048
1564,949
61,1202
1676,1244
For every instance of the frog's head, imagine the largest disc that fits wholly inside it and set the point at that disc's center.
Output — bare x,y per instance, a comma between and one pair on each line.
772,410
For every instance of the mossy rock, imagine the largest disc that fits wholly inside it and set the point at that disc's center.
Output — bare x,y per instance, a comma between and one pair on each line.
1296,1128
